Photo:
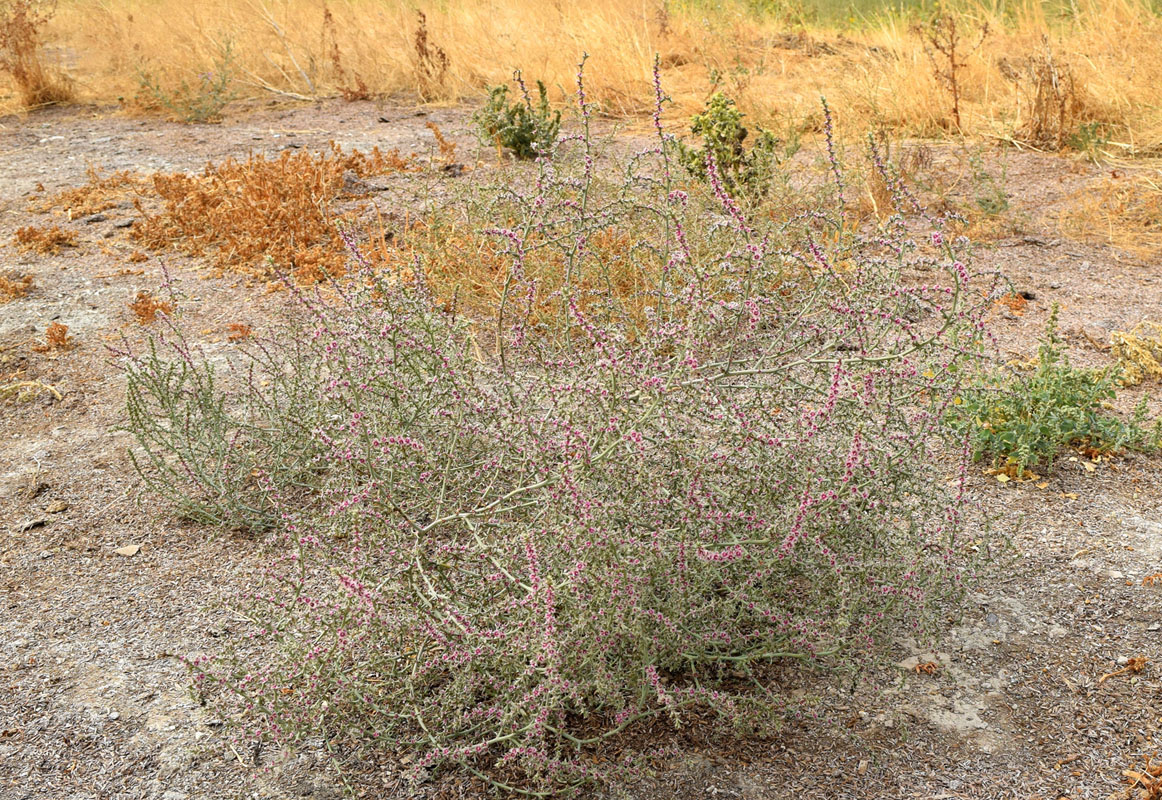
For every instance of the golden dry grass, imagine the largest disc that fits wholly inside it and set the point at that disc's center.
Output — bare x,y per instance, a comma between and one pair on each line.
1123,209
22,59
878,74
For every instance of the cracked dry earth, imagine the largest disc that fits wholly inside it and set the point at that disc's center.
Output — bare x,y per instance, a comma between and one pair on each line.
93,703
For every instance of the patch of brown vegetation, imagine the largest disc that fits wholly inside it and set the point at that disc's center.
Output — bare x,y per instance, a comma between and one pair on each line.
100,193
14,286
1055,100
261,214
56,339
146,307
237,331
48,241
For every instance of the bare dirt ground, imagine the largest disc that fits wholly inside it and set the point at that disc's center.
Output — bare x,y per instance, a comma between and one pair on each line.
93,703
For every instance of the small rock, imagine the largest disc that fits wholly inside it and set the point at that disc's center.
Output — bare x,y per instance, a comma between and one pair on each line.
173,794
862,768
1056,632
352,183
124,223
128,550
1054,285
56,507
29,524
89,220
1123,660
115,715
1154,626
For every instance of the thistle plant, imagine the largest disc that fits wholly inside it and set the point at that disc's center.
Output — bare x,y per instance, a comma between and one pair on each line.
612,500
524,127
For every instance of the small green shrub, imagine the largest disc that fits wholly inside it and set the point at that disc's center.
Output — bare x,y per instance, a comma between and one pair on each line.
522,127
723,137
202,101
1025,420
1089,138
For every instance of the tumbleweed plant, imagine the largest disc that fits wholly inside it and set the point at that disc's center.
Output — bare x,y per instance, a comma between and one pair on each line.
505,540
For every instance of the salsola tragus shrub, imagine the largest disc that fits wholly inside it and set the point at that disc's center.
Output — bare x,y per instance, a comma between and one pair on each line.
522,536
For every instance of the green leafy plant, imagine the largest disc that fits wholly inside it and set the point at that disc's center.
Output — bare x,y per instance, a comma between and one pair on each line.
525,128
723,136
1089,138
1023,420
500,562
201,101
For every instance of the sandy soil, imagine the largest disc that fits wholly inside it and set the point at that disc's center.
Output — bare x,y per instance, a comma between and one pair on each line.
95,703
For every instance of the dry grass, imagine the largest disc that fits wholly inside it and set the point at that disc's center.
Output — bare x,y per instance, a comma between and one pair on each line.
22,23
1123,209
466,270
14,286
47,240
261,213
878,74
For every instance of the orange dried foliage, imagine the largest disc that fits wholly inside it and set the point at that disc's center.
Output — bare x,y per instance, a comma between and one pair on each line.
1014,302
247,211
927,668
137,257
1150,580
146,307
1135,665
238,331
56,338
100,193
350,92
1144,783
44,240
14,286
447,149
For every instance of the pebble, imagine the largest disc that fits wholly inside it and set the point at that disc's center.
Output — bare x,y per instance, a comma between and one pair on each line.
115,715
1154,626
89,220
